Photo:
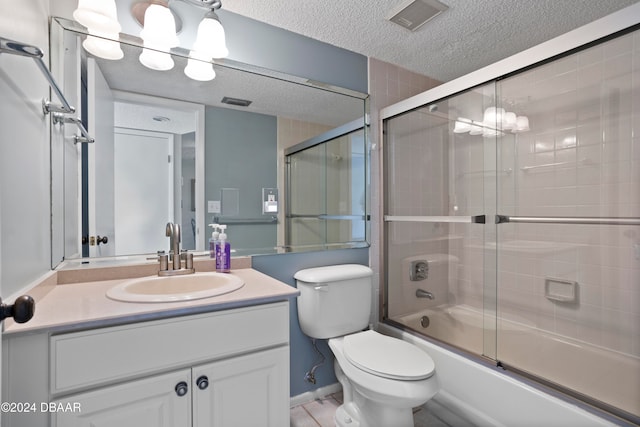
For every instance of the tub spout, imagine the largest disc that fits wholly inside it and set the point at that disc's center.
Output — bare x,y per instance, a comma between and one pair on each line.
421,293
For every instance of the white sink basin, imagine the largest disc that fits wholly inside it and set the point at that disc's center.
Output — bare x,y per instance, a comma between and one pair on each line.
175,288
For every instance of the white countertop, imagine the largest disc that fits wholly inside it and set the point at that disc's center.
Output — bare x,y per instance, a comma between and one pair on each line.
69,307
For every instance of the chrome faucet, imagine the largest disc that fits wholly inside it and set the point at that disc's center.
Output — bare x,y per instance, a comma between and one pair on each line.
173,268
173,233
421,293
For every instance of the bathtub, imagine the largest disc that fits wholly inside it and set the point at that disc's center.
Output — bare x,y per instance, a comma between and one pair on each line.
490,396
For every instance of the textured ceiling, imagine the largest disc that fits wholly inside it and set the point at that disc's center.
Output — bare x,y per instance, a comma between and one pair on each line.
469,35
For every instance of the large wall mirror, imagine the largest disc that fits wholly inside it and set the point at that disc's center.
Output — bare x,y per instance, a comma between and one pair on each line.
171,149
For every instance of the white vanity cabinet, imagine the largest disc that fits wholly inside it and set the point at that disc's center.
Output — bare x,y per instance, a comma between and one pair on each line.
218,369
149,402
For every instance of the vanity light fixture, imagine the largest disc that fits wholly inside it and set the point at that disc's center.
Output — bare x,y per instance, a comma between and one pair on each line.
159,34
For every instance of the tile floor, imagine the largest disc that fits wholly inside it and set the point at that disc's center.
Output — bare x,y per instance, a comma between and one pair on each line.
319,413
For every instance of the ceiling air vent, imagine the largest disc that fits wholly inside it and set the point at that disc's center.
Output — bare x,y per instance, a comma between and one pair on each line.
236,101
412,14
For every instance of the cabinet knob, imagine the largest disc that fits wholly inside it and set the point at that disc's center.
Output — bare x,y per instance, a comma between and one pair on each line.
182,388
202,382
21,310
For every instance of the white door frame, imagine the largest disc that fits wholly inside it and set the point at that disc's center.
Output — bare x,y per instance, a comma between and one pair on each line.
198,111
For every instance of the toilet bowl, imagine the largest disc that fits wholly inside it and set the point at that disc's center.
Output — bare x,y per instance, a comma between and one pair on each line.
385,377
382,378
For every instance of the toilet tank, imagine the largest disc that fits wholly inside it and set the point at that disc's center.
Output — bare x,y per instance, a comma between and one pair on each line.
334,300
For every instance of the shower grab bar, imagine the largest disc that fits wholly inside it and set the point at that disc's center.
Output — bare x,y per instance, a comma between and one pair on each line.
246,221
475,219
13,47
501,219
21,49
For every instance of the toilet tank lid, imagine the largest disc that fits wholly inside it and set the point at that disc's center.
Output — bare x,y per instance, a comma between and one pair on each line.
332,273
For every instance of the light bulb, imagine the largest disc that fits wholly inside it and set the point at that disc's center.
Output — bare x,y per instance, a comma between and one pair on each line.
509,121
476,128
159,27
522,124
101,46
155,60
98,15
462,125
211,40
199,70
493,116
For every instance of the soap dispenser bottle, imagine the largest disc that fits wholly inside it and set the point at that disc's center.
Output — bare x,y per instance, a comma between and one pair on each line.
223,252
213,240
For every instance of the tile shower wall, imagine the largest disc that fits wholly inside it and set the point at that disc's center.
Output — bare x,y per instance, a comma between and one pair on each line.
388,84
581,158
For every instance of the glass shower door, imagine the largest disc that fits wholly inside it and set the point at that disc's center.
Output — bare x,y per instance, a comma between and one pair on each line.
568,257
439,168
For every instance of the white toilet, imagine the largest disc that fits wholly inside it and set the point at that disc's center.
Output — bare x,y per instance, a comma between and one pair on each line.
382,377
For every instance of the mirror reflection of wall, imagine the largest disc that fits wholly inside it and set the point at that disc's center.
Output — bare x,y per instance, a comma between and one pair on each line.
248,139
326,203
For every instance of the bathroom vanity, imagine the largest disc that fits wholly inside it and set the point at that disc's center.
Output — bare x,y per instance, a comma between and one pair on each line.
87,360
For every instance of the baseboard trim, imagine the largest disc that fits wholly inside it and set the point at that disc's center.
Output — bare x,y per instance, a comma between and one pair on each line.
318,393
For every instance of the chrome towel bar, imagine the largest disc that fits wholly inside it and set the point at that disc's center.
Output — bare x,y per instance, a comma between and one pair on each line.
475,219
500,219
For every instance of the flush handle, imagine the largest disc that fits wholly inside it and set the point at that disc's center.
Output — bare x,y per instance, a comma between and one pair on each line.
202,382
21,310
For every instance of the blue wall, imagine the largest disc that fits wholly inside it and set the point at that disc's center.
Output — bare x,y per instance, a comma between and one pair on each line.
303,357
241,152
254,42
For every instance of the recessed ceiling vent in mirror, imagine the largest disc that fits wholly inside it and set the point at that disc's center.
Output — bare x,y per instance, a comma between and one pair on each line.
412,14
236,101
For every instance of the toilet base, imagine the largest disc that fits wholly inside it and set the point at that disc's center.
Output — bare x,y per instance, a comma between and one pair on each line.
350,415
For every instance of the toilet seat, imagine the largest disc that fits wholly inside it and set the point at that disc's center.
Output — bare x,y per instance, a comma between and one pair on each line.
387,357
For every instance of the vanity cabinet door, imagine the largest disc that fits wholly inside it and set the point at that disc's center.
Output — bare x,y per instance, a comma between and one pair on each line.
245,391
163,400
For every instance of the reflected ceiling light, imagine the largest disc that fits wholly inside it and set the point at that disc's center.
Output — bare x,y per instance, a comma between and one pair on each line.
156,60
476,128
493,116
101,19
490,133
494,122
509,121
522,124
199,70
462,125
103,46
